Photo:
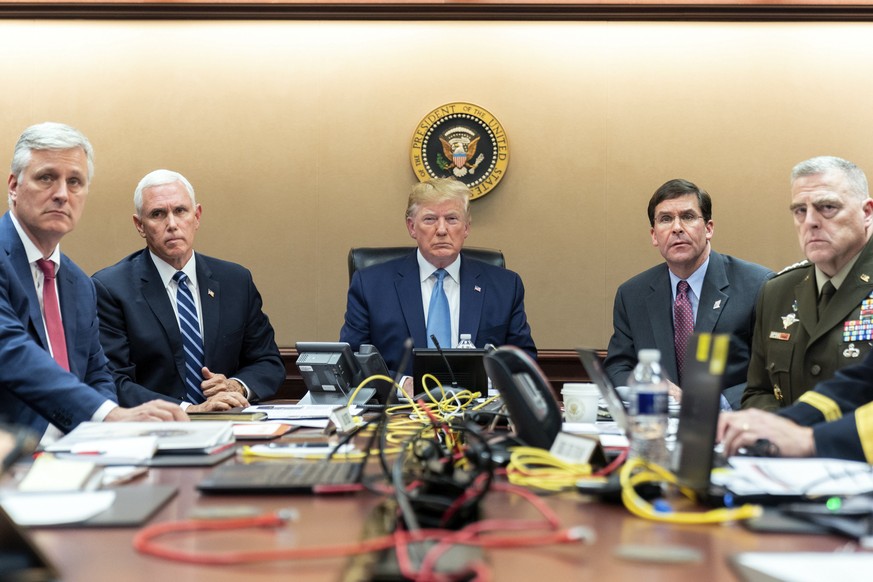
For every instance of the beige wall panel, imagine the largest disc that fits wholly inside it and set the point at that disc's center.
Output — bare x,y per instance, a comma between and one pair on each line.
296,136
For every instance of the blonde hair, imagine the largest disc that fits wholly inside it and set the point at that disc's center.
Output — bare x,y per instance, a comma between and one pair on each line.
439,190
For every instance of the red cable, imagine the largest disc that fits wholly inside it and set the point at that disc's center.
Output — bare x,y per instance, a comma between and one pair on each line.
616,463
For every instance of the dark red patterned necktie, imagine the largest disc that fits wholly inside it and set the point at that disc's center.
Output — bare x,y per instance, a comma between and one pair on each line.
683,324
51,308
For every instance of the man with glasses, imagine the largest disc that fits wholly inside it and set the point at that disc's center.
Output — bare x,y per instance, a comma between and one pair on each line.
694,290
816,317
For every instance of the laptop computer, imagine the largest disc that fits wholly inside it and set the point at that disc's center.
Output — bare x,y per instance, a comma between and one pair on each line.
20,559
614,404
694,455
465,367
295,476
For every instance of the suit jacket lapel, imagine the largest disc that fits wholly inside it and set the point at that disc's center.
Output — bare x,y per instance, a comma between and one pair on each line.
155,294
408,288
210,303
805,295
659,305
18,258
713,295
472,300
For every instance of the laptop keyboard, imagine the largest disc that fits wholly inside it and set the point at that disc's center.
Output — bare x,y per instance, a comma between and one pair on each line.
283,476
335,473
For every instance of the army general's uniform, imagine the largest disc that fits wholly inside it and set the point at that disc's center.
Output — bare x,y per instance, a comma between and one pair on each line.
792,350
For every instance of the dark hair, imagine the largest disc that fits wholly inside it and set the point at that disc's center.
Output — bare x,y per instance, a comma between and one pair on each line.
675,189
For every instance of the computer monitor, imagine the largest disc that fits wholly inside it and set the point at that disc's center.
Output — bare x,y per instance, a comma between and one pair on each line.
454,368
20,559
702,383
528,396
331,372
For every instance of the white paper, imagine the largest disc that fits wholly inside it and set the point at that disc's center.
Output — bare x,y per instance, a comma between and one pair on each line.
805,566
299,411
756,475
301,450
171,435
35,509
124,451
249,429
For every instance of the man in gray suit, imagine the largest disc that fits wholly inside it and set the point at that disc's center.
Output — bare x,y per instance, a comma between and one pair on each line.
721,291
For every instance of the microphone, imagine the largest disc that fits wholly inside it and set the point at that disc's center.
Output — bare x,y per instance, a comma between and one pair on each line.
445,359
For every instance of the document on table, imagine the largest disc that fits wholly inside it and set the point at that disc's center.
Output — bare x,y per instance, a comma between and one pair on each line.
802,566
295,412
611,436
811,477
37,509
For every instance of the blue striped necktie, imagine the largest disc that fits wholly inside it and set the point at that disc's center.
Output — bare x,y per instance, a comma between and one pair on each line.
439,320
192,341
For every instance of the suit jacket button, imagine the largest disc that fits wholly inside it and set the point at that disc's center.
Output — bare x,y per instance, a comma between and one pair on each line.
815,370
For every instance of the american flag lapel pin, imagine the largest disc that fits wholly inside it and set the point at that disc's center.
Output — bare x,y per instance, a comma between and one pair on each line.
477,289
210,292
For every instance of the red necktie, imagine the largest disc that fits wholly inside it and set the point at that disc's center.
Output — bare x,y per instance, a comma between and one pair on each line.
51,307
683,324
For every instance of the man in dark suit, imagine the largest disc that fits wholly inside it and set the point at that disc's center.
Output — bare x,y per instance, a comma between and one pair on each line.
815,317
390,302
834,419
53,372
141,325
721,290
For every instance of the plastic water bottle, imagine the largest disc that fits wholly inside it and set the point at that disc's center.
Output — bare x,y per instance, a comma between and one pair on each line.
648,410
466,342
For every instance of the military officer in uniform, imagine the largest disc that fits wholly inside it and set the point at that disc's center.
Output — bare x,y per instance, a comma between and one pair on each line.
816,317
833,420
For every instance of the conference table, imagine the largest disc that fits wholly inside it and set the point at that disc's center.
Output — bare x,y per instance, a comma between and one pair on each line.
107,554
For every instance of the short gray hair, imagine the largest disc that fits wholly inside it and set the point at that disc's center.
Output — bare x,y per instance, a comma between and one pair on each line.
159,178
49,136
823,164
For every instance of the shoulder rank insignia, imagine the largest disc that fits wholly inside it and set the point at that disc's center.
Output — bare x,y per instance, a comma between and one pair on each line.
803,263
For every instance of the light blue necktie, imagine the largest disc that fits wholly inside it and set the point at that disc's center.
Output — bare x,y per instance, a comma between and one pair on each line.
192,341
439,320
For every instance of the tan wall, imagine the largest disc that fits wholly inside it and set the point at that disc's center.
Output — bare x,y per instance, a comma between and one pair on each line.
296,136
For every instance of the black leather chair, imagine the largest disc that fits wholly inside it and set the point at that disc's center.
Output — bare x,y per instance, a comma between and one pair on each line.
362,257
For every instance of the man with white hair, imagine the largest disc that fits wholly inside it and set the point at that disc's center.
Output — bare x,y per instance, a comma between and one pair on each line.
180,325
53,372
816,317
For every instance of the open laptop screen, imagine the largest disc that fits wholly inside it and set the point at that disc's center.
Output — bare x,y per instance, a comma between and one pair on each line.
462,366
610,395
702,382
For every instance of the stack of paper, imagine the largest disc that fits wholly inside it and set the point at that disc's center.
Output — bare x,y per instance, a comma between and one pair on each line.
49,473
130,439
793,477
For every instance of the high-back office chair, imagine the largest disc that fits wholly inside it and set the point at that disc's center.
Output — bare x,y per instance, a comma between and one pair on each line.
361,257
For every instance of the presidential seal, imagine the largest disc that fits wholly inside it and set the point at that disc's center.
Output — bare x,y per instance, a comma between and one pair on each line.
462,141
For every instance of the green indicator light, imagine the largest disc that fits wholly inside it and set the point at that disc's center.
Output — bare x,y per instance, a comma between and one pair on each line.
834,503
